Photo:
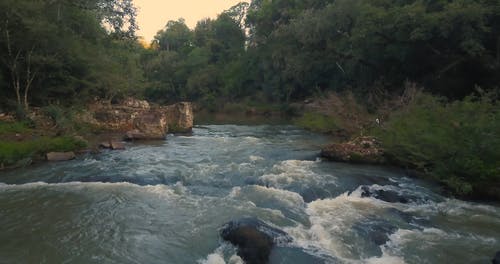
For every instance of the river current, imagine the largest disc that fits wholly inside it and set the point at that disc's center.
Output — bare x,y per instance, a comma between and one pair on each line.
165,201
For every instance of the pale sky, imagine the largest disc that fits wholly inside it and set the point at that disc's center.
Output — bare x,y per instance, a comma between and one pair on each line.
153,15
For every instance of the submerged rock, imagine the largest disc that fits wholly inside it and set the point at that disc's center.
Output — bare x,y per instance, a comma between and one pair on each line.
390,196
496,259
418,222
254,239
376,230
60,156
387,196
360,150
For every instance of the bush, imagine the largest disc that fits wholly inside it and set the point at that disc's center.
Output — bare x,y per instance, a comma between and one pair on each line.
457,143
62,118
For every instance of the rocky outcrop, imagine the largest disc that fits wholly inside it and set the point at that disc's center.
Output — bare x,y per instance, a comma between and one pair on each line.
359,150
140,120
254,239
60,156
179,117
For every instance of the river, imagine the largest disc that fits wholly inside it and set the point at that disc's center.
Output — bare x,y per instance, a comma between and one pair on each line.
164,202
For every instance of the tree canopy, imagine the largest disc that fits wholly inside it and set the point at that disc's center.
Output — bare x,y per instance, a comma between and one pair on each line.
279,50
60,50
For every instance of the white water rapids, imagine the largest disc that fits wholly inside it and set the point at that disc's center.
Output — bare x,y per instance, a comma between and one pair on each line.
164,202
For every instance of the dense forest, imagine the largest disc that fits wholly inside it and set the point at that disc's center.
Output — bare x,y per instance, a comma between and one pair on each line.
277,51
70,52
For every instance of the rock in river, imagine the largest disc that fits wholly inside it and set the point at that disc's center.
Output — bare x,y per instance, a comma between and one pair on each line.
60,156
496,259
359,150
140,119
254,239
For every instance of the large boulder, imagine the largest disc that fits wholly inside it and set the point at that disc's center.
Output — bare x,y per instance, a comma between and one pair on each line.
254,239
151,124
179,117
140,119
360,150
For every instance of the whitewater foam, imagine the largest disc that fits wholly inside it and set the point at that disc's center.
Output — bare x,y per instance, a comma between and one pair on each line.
218,256
290,172
159,189
330,219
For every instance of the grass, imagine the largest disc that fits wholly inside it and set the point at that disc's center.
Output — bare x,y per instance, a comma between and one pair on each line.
317,122
12,152
14,127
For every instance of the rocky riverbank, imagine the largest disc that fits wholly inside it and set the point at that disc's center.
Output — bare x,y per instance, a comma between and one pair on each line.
138,119
51,135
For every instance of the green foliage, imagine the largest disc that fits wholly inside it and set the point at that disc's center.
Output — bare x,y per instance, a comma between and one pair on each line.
14,127
304,46
295,49
59,51
455,142
62,118
175,37
199,65
317,122
12,151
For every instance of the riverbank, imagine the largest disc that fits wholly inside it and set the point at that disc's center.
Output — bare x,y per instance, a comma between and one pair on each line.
453,143
34,137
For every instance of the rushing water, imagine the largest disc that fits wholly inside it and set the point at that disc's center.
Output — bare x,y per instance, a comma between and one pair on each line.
164,201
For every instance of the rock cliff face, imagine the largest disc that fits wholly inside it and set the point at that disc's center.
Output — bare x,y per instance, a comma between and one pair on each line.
139,120
179,117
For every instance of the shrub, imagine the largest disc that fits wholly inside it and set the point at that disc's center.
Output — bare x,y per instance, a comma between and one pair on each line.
317,122
457,143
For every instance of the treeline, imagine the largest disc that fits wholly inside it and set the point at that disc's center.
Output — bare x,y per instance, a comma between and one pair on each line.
294,49
67,51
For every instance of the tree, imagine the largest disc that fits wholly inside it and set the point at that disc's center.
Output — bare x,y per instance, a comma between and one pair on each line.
175,37
53,50
238,13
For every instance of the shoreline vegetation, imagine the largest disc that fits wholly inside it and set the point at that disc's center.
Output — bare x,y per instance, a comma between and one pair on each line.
454,143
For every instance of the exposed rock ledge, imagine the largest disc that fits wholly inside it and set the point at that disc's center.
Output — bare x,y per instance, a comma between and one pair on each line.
359,150
138,119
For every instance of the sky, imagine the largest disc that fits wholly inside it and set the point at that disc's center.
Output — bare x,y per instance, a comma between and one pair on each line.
153,15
